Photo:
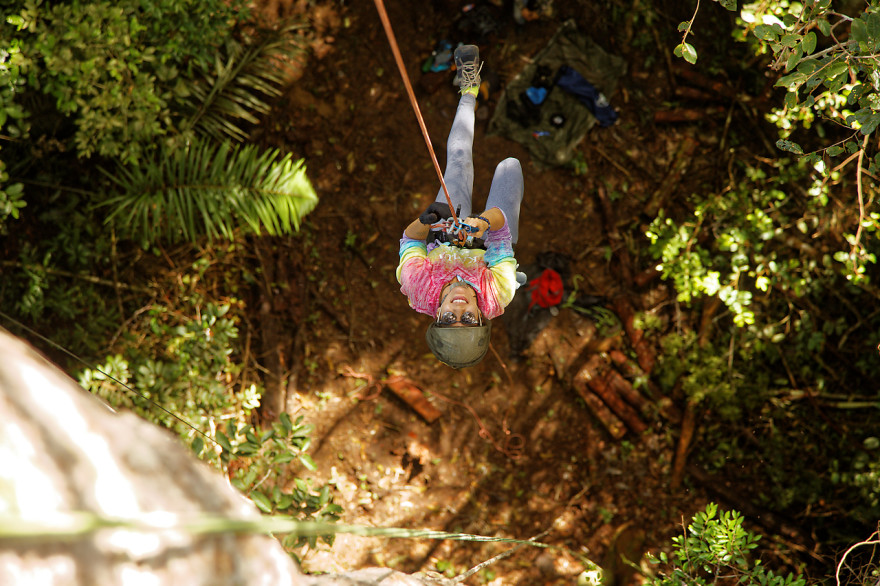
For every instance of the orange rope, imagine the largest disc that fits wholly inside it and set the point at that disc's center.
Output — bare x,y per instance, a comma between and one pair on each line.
380,6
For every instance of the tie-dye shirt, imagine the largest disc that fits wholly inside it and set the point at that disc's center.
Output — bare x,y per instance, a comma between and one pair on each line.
422,273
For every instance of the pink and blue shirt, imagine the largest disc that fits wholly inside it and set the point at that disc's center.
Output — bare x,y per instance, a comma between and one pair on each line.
424,270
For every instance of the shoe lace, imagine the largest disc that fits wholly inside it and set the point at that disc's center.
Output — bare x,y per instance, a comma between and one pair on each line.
469,73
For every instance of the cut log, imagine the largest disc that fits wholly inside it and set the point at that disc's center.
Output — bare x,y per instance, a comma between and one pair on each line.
624,388
410,394
594,373
686,114
688,425
612,424
632,371
644,353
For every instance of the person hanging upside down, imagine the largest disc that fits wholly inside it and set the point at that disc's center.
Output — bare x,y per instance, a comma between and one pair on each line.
461,288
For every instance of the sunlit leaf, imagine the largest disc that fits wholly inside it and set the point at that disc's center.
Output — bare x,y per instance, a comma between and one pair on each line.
687,51
787,145
792,80
765,33
210,190
223,441
789,40
834,69
308,462
808,44
262,501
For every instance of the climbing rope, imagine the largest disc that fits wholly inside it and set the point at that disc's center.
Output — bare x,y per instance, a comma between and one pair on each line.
383,16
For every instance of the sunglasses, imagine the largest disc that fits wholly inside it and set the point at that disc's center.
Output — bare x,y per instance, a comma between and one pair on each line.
448,318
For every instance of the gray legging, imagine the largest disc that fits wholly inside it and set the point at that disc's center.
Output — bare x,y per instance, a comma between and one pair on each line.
506,191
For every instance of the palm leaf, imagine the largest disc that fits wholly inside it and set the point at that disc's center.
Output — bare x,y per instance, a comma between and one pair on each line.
223,100
208,190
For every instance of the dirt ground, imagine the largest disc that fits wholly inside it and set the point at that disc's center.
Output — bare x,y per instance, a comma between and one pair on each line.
516,451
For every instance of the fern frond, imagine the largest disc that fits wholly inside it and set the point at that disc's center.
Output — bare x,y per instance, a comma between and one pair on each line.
221,101
210,190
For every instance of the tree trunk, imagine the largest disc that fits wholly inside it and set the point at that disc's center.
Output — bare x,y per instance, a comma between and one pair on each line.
71,467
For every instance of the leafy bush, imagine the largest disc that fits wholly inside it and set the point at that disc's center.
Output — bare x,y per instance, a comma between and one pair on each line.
153,85
13,124
753,240
797,341
186,380
716,548
183,364
253,458
117,67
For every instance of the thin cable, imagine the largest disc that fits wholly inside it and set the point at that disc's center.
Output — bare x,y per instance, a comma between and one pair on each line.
383,16
117,381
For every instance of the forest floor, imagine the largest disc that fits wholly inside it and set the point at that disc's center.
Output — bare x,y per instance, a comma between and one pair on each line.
518,448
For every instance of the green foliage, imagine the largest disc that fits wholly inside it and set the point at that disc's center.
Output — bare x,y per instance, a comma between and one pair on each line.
749,241
703,374
840,80
35,289
182,365
204,189
117,67
717,547
828,64
769,247
253,459
151,86
181,373
13,123
230,91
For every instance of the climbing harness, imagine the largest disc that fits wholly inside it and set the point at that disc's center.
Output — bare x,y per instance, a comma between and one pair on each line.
383,16
457,233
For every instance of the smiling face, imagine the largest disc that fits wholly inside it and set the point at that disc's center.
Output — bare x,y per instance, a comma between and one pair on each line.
460,300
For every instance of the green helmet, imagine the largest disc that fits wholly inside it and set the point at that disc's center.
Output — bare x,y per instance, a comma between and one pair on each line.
459,347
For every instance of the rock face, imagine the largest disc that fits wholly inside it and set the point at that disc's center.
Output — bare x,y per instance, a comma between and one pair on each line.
65,457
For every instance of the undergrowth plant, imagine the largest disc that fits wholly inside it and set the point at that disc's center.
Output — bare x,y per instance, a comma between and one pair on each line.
177,369
155,92
117,68
785,359
121,123
716,549
13,124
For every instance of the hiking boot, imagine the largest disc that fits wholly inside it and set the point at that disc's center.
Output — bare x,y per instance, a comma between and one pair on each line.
468,66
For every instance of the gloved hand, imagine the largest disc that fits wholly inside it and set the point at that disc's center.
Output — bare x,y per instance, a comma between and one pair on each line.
435,212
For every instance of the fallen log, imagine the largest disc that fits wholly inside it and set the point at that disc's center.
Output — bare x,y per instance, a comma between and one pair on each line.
631,370
612,424
644,353
595,374
695,78
624,388
410,394
690,93
686,114
688,424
